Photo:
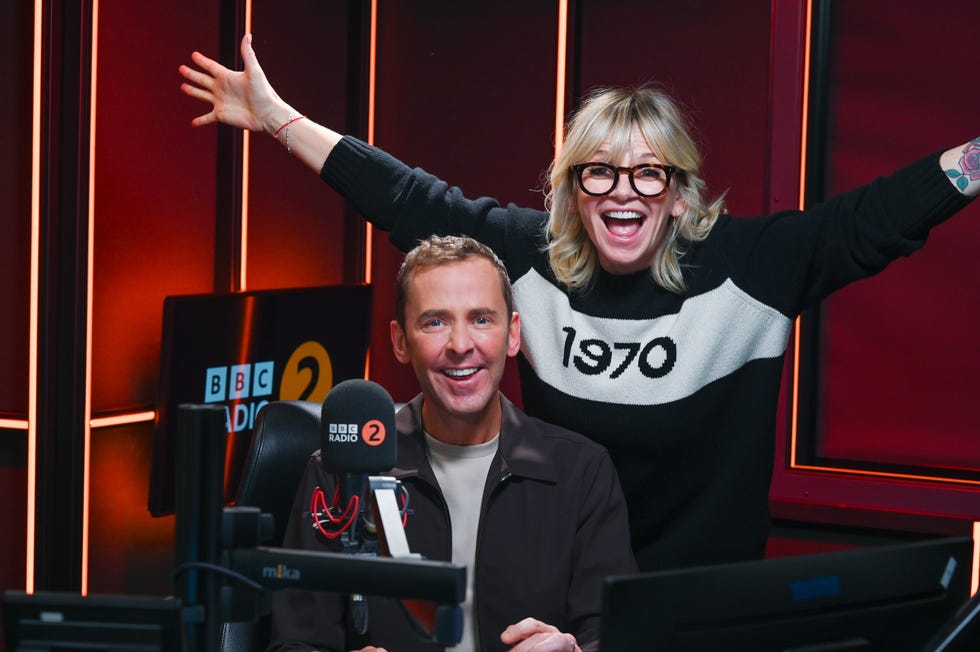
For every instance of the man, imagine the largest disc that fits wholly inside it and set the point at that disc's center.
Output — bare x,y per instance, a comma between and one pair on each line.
534,512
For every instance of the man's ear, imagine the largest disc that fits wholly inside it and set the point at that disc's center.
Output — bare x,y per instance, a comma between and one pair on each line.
398,343
514,335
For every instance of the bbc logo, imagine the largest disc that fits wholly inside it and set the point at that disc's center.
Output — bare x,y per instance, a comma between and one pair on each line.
238,381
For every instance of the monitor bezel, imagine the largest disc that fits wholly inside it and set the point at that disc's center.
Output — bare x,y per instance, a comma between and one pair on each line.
750,605
52,620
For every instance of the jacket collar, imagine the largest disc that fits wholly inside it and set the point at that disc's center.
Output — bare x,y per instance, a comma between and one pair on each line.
521,452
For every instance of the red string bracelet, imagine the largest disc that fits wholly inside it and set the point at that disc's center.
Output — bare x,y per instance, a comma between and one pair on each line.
288,122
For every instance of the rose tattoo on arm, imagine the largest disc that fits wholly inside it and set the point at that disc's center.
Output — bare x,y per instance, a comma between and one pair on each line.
969,165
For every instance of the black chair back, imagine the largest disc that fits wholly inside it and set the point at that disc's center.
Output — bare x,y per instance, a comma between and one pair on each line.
285,435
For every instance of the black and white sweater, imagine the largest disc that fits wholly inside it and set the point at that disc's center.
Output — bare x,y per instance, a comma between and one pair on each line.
680,388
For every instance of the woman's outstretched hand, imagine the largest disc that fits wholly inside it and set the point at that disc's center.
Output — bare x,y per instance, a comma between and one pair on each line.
243,99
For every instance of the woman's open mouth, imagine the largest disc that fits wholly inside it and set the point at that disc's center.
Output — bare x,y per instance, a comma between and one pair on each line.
623,224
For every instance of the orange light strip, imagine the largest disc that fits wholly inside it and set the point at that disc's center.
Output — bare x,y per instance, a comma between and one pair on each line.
808,36
805,116
371,109
99,422
89,290
975,583
560,76
34,300
244,346
887,474
372,86
246,146
122,419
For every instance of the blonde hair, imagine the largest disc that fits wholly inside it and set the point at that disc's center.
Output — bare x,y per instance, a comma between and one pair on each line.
611,113
436,251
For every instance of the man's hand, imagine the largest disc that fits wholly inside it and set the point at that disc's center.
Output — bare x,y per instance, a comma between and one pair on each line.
531,634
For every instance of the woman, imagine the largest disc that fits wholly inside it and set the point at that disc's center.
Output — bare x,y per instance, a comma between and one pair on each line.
654,322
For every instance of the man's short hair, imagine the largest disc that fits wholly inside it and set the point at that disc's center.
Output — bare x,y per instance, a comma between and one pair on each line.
439,250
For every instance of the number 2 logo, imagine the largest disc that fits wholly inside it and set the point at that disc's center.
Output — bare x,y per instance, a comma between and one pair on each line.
373,433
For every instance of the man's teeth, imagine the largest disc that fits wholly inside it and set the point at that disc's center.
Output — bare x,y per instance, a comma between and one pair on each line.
460,373
624,215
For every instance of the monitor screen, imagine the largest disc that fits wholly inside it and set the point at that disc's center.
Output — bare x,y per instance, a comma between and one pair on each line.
961,633
243,350
49,622
882,598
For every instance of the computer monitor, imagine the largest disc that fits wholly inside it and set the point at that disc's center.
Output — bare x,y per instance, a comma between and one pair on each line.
243,350
961,633
52,621
885,598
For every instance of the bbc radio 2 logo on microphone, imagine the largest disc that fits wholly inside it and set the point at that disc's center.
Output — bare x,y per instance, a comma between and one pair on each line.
246,387
372,434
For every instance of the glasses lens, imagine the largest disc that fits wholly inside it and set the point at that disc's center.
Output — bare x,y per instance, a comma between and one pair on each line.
597,178
649,180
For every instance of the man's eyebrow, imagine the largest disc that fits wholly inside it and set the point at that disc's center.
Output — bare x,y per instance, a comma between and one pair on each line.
490,312
435,312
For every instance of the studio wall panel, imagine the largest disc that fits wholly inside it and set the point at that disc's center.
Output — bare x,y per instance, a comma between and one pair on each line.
154,236
13,515
16,68
467,92
713,58
900,349
130,552
16,118
295,221
154,190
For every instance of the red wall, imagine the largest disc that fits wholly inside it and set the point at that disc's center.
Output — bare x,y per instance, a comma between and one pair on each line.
901,352
466,92
897,367
15,206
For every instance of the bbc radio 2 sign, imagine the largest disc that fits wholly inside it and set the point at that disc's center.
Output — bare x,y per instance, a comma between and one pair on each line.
243,350
245,388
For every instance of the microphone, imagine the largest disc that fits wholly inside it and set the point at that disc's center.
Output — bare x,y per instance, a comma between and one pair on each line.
357,428
357,439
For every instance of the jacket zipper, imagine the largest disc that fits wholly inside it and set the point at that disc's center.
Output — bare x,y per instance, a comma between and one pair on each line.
479,539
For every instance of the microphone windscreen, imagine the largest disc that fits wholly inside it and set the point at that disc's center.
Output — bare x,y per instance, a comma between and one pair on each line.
357,428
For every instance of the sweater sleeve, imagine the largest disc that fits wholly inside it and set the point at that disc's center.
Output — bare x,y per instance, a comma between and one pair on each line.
412,204
792,260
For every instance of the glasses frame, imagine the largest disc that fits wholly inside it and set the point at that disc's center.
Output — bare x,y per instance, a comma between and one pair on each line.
578,168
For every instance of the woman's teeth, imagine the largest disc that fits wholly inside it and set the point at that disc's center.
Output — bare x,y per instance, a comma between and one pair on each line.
624,215
623,223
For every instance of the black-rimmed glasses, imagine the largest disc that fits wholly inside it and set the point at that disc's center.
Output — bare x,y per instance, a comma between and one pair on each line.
647,179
